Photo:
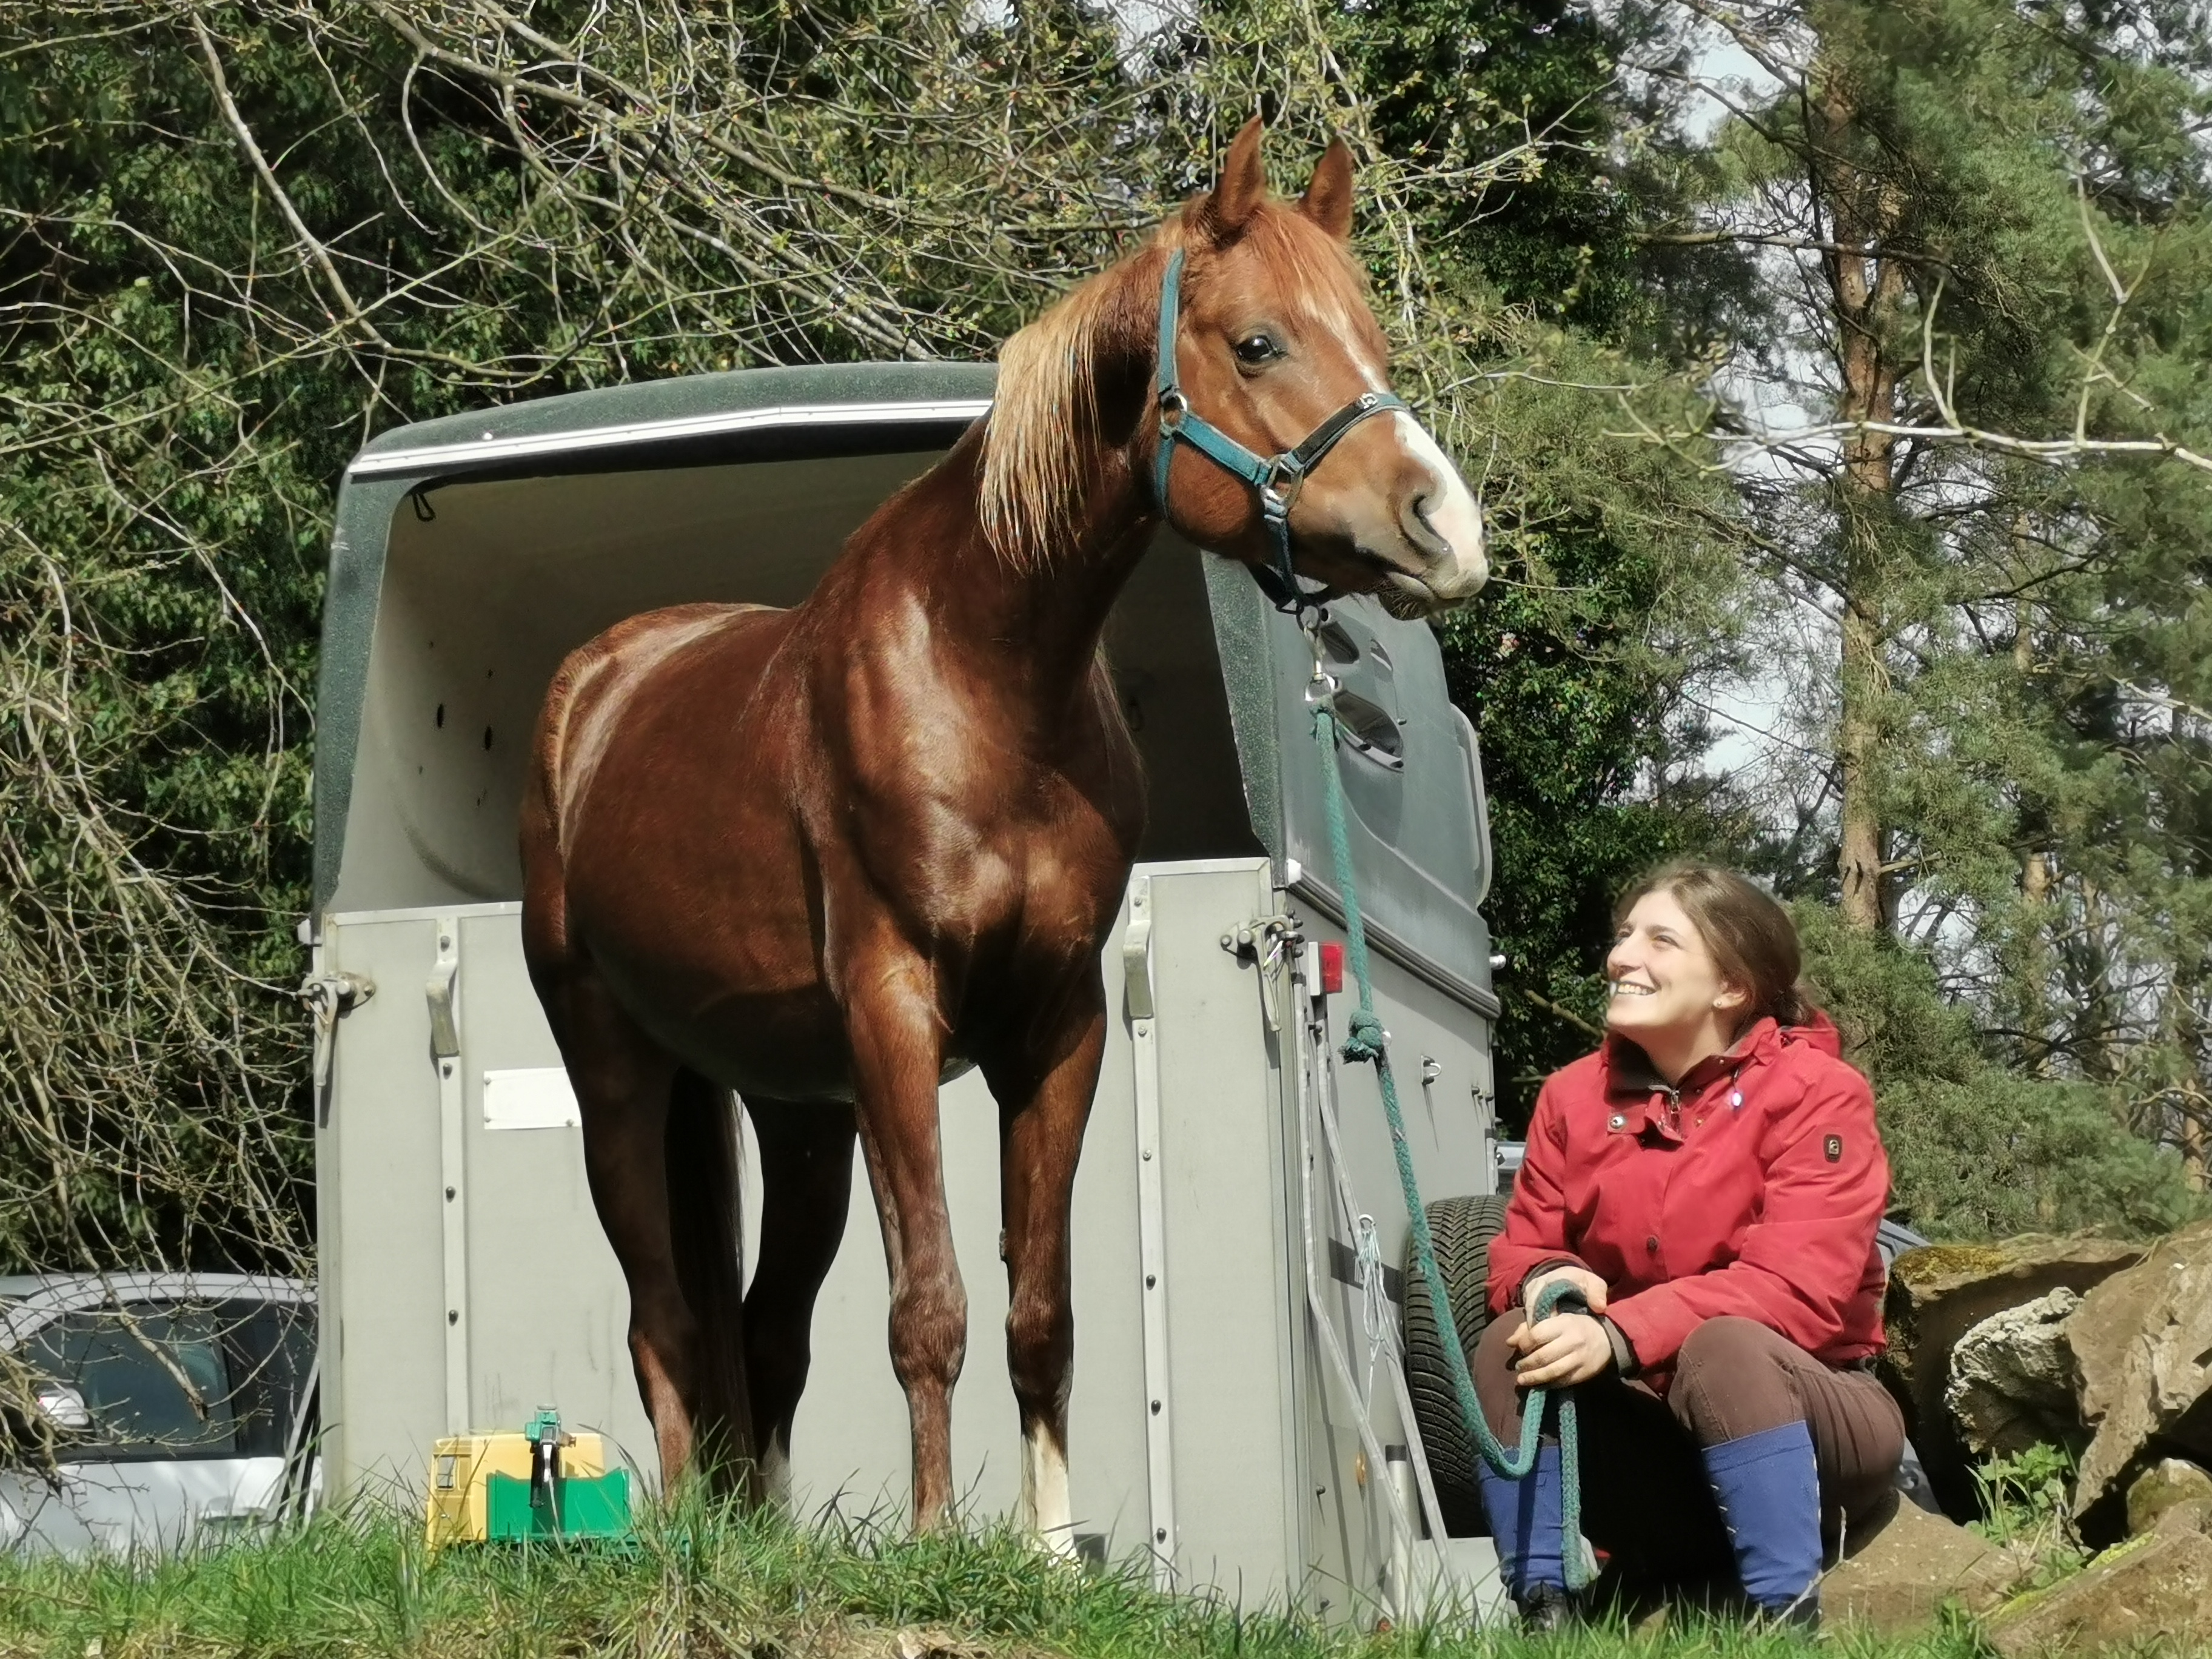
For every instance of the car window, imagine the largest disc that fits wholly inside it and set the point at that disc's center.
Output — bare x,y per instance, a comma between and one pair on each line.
154,1379
271,1348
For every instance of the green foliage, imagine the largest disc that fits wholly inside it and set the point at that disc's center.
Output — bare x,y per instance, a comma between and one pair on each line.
2022,722
1453,85
1614,565
1609,592
2026,1502
1977,1148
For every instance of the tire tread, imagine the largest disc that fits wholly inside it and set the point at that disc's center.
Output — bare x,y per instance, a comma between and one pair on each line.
1461,1229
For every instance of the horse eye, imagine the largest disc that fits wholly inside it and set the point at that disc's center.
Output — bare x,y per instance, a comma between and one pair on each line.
1256,349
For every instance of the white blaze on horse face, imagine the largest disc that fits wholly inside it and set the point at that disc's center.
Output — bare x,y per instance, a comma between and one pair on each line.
1452,513
1047,1509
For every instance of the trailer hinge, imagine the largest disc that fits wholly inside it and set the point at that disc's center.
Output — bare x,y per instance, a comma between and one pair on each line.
331,998
1137,983
1267,942
445,1032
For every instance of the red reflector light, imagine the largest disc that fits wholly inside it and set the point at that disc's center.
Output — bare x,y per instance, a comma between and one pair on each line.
1332,969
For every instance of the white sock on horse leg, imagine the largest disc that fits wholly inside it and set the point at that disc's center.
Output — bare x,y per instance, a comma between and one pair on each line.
1047,1509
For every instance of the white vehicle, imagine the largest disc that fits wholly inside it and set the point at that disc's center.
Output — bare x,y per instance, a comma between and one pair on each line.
184,1402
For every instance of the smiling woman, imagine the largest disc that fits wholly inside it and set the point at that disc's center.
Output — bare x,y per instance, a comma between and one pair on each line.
1698,954
1709,1182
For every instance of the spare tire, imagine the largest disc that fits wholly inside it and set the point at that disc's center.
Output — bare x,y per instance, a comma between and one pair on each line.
1461,1229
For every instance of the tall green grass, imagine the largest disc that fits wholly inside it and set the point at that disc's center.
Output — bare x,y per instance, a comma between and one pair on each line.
700,1580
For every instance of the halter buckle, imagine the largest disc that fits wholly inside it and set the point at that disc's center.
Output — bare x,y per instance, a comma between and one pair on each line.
1173,407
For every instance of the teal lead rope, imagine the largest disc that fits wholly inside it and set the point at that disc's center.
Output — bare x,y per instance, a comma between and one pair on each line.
1366,1042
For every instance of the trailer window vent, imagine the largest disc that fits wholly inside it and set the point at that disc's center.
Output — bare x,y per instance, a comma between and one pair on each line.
1370,730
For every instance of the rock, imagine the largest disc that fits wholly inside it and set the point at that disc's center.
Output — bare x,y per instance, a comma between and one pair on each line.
2142,1341
2193,1516
2152,1589
2013,1381
1897,1576
2159,1488
1939,1293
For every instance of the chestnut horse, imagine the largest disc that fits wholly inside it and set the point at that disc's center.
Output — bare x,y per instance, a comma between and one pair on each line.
829,857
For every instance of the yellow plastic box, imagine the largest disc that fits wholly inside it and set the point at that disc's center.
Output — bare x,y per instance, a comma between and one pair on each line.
460,1472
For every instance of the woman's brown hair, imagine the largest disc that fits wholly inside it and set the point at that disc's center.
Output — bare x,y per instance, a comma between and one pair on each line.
1753,942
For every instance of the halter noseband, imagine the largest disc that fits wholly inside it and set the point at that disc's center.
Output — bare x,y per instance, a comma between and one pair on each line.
1275,479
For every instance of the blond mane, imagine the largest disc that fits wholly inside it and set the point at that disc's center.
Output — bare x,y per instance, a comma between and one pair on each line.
1044,418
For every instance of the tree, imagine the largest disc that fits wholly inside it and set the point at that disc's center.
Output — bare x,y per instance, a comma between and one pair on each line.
240,239
1614,568
1978,232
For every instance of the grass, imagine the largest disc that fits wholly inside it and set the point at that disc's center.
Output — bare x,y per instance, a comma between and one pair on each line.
705,1582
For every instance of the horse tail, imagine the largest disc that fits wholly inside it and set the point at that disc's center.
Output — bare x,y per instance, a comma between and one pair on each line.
705,1203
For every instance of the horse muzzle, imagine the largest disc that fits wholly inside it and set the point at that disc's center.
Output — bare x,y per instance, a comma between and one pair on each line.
1447,529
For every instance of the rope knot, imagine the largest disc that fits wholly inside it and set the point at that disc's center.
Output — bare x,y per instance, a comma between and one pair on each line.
1365,1040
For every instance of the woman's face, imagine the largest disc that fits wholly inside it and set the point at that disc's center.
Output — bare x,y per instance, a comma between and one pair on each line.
1661,976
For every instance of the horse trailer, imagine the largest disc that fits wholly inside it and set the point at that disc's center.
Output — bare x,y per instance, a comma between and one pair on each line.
1240,1416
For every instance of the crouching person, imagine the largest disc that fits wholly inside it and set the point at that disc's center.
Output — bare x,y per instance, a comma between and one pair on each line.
1709,1182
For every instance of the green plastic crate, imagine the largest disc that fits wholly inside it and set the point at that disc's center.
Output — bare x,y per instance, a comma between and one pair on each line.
593,1506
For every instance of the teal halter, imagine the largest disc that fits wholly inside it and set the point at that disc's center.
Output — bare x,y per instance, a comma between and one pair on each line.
1275,479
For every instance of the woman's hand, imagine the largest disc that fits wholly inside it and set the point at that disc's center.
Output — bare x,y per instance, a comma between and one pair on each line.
1588,1285
1560,1352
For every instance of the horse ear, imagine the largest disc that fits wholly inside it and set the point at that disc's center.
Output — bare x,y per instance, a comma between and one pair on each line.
1243,185
1327,200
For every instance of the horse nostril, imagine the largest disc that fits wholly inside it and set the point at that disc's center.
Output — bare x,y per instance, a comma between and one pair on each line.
1413,519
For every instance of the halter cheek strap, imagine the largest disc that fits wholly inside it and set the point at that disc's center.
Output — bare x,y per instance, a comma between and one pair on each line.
1275,479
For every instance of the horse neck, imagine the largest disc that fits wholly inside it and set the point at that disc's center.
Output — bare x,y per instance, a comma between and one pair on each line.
1043,618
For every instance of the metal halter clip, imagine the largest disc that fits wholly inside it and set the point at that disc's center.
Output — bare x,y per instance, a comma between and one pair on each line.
1173,406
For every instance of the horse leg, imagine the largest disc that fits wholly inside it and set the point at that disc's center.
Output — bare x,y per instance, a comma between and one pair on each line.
891,1023
623,1084
706,1237
1043,1104
806,1185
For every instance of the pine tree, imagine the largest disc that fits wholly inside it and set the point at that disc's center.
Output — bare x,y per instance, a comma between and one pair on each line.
1979,235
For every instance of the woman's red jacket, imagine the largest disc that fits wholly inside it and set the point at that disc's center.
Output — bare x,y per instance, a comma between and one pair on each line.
1755,1189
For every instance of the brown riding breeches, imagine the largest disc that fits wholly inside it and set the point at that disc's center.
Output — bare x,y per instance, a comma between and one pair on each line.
1645,1501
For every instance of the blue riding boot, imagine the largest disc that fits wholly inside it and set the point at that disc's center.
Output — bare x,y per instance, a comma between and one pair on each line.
1524,1521
1769,1490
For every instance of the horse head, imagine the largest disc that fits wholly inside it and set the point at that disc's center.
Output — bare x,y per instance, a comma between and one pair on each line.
1276,347
1245,326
